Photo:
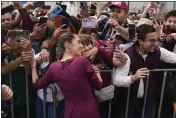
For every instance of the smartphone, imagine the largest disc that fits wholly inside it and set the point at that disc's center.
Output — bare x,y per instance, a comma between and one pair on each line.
89,23
17,35
42,20
115,44
57,10
64,7
84,5
66,22
166,29
46,7
132,31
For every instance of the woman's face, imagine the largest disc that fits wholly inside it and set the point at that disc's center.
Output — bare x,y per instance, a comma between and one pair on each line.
76,46
86,48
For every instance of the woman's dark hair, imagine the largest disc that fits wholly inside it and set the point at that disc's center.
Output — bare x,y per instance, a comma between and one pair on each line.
68,36
104,13
143,30
59,45
171,13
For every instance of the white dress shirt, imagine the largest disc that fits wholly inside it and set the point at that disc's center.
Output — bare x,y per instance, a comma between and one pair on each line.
49,97
120,74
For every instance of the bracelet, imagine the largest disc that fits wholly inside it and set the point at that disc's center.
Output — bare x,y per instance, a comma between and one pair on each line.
45,48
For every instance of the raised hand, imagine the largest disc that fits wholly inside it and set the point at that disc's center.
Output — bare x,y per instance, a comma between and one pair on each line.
7,93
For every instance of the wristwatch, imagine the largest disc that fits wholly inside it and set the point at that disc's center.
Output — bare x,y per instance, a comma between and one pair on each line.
45,48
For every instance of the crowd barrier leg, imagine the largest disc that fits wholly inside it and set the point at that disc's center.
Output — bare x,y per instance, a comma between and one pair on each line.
55,101
109,112
174,115
127,102
44,102
145,98
162,93
27,96
11,102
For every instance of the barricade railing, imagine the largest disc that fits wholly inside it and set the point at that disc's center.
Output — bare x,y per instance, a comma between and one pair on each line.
54,94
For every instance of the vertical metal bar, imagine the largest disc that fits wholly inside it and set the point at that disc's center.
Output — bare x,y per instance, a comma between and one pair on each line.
110,102
54,100
145,99
109,112
27,95
128,5
128,100
174,115
11,101
162,93
127,103
44,102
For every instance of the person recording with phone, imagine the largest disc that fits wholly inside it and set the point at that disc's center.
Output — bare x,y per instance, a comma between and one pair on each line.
149,55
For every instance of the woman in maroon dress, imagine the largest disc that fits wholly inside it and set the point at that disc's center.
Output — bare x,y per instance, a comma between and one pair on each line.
75,77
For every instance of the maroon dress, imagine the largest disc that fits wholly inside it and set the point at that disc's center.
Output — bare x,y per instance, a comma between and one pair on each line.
76,78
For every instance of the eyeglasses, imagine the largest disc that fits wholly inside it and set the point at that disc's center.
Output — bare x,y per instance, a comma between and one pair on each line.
116,10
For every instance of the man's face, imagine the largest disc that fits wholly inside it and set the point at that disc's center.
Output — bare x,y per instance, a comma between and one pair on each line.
6,22
171,21
119,14
149,42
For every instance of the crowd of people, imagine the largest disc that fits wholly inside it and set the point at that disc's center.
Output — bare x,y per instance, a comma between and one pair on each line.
88,59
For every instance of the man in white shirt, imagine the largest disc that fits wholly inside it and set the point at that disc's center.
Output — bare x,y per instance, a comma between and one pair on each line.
142,56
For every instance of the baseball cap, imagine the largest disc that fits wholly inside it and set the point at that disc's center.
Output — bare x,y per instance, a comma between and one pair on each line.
122,5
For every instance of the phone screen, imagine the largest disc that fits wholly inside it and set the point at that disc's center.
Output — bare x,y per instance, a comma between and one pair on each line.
115,44
43,20
166,29
66,22
57,10
89,23
18,35
84,5
132,31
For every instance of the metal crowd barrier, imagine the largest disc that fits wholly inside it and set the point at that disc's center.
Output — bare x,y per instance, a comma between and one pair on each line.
54,94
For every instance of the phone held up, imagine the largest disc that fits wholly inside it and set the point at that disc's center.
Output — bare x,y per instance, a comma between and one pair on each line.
132,31
65,22
17,35
42,21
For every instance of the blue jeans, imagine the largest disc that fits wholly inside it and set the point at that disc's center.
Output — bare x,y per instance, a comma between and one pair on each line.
49,108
